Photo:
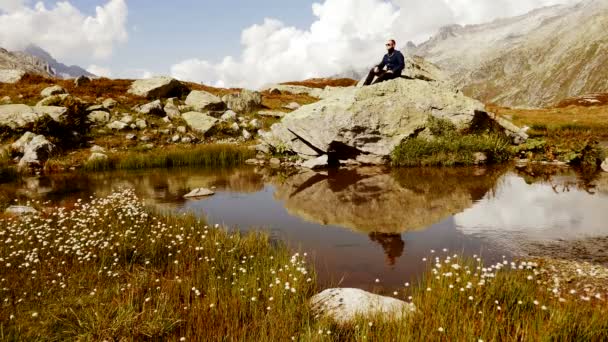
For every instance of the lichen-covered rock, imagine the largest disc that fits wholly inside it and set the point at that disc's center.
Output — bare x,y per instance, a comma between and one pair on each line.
199,122
243,102
344,305
200,100
53,90
172,109
154,107
20,116
157,87
109,103
19,145
98,117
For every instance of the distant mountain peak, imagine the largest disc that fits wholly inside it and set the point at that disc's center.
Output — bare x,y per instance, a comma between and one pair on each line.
60,69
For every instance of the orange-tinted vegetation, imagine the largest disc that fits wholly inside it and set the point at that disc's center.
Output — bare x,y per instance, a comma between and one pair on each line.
590,100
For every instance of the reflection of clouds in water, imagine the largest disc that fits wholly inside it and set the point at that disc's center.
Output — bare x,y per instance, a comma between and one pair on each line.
536,212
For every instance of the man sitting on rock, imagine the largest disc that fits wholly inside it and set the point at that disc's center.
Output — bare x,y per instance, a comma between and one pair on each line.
390,68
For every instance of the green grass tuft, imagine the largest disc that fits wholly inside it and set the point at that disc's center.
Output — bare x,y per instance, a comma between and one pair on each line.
213,155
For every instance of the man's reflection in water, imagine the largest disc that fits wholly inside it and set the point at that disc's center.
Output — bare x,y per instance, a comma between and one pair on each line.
392,244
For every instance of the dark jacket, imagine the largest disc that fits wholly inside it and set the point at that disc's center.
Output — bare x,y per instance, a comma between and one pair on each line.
394,62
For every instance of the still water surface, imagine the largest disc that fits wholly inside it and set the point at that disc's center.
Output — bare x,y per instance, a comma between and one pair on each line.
364,224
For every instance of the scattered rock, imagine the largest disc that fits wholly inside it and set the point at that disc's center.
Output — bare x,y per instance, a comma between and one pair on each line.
605,165
130,136
166,119
99,117
243,102
109,103
200,192
81,80
246,134
186,140
343,305
480,158
141,123
203,101
97,156
270,113
181,129
292,106
19,210
144,138
20,116
53,100
36,152
97,107
126,118
199,122
97,149
317,163
53,90
235,127
229,115
171,109
117,125
255,123
157,87
154,107
275,161
175,138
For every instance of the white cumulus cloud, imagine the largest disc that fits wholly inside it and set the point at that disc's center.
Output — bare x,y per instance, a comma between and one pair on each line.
346,34
63,30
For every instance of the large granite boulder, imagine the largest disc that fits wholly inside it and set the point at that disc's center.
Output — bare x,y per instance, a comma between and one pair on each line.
20,116
172,109
202,101
37,151
367,123
243,102
11,75
157,87
199,122
345,305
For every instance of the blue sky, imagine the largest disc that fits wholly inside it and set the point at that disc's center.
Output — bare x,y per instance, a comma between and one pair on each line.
234,42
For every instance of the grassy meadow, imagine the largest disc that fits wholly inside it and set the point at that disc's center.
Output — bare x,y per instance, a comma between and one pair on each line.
112,269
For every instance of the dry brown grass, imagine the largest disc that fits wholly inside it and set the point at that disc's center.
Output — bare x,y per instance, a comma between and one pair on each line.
276,102
324,82
213,90
590,100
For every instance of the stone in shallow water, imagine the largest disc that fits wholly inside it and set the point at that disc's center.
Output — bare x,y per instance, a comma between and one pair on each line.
200,192
343,305
20,210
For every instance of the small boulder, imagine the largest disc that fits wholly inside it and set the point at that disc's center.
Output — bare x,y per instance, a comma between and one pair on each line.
19,145
141,123
235,127
199,122
97,149
157,87
81,80
117,125
229,115
97,157
53,100
255,123
275,161
317,163
182,129
36,152
53,90
292,106
186,140
344,305
243,102
480,158
203,101
98,117
109,103
246,134
171,109
19,210
175,138
605,165
97,107
200,192
126,118
131,136
154,107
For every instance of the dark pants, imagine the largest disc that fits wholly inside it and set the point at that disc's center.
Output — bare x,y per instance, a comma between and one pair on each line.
382,76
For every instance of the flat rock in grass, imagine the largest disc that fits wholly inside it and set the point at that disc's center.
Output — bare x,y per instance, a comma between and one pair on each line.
98,117
53,90
203,101
200,192
20,210
97,156
156,87
117,125
199,122
344,305
109,103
